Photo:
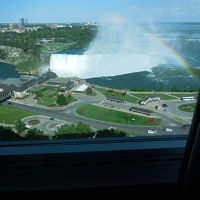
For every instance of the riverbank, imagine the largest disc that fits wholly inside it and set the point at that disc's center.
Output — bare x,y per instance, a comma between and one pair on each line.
8,70
25,63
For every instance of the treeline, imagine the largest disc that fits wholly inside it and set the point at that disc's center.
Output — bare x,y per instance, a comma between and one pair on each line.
74,131
29,40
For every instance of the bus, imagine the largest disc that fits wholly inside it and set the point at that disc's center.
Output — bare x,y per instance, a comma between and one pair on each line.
188,98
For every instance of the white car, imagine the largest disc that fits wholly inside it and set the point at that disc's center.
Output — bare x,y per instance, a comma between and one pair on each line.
152,132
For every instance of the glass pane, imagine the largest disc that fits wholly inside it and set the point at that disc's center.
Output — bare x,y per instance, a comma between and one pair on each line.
90,69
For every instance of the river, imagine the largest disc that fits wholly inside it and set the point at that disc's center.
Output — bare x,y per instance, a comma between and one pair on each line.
8,71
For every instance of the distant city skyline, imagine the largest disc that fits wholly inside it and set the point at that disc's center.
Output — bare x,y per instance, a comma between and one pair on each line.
65,11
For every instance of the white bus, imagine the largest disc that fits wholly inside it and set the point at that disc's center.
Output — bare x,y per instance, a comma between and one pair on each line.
188,98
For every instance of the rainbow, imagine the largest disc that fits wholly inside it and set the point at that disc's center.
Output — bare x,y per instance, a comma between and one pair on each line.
180,59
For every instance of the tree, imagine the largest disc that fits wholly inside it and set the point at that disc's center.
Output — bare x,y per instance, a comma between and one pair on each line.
20,126
61,100
80,130
110,133
83,128
36,134
3,54
89,91
6,134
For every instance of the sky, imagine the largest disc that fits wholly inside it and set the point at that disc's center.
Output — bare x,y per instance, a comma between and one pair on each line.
52,11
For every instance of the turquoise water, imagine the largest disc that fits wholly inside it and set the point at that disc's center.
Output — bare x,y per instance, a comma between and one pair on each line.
8,71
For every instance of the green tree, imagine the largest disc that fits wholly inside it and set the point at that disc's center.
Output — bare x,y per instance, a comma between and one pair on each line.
3,54
6,134
36,134
110,133
89,91
61,100
20,126
83,128
80,130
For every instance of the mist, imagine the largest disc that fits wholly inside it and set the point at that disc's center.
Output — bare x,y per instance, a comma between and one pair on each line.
118,48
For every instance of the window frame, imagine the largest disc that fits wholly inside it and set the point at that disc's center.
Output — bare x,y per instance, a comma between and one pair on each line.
131,162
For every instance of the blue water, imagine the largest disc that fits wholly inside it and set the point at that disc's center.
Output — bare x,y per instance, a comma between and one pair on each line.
8,71
73,51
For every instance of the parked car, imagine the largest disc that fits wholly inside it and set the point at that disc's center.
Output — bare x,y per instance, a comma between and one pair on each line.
158,107
164,105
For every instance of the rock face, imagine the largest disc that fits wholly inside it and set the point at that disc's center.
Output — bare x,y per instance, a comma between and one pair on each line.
13,54
26,63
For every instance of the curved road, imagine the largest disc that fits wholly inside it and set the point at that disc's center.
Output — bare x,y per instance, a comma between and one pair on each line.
74,118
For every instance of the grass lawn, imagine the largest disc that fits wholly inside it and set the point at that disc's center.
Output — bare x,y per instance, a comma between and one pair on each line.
48,98
187,107
10,115
113,93
162,96
54,47
108,115
185,94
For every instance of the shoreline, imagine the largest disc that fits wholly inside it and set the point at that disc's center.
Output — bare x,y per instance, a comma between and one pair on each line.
17,70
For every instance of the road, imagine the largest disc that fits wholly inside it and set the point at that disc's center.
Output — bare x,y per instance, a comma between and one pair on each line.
69,114
74,118
173,107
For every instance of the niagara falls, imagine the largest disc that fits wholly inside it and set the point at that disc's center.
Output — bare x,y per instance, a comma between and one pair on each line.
118,48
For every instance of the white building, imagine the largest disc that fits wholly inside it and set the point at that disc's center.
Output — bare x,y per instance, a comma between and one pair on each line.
81,88
149,99
188,98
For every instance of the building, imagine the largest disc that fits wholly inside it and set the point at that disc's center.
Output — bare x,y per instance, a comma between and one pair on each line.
5,95
70,85
66,86
81,88
19,86
23,21
11,26
118,100
141,110
45,41
149,99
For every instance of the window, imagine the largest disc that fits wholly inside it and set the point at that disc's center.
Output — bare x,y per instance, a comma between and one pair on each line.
88,75
97,77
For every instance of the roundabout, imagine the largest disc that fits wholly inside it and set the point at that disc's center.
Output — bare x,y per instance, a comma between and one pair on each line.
44,123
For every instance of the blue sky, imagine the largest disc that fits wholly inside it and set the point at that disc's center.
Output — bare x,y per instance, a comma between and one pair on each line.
93,10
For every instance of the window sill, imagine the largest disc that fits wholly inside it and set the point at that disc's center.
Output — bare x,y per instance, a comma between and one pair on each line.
84,164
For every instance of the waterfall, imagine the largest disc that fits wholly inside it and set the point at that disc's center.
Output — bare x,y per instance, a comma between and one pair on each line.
97,65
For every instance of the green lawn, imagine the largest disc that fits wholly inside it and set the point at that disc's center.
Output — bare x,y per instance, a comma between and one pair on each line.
184,94
113,93
48,98
10,115
108,115
162,96
187,107
54,47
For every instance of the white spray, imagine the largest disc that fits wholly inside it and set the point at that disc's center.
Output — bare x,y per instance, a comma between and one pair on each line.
119,48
